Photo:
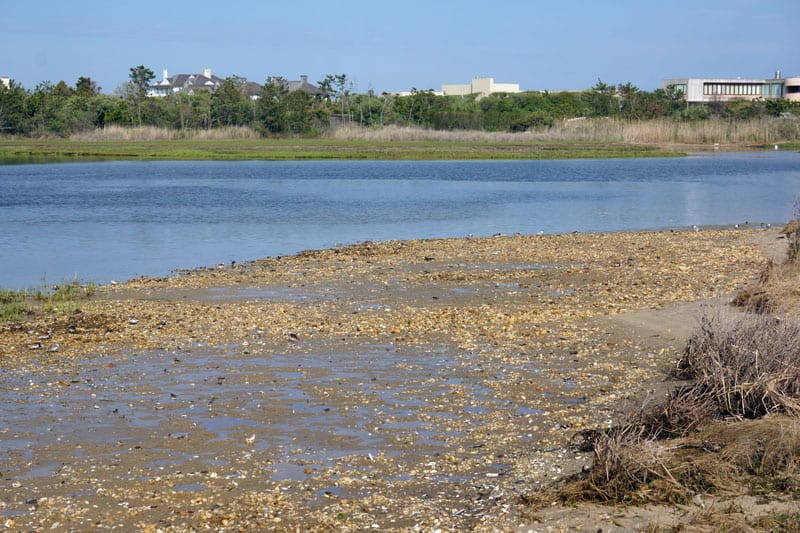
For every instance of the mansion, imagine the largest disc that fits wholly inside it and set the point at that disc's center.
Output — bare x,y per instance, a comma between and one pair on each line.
208,82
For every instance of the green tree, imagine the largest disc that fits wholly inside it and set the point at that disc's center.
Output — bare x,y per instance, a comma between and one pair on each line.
140,78
601,100
299,112
630,100
229,105
45,107
86,87
775,107
12,108
337,89
271,109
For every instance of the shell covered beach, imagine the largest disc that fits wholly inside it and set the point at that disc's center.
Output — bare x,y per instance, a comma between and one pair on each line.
405,385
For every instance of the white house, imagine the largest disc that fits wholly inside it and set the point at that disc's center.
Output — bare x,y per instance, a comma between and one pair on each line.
185,83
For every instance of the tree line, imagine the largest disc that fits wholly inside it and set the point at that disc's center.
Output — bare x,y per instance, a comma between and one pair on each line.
61,109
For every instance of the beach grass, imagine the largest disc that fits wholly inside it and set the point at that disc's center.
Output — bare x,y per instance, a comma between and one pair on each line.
63,298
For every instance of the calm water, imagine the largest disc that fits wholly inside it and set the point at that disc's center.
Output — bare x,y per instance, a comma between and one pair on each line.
117,220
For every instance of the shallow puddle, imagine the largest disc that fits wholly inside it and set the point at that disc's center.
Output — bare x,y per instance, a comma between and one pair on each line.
284,417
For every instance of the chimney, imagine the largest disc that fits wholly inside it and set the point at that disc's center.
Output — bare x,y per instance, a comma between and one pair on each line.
303,78
166,74
207,72
777,74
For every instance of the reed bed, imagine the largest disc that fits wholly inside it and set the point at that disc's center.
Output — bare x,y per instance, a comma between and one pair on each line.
120,133
387,134
662,131
154,133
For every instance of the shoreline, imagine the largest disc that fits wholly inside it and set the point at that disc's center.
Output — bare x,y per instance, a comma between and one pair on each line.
64,150
173,272
419,383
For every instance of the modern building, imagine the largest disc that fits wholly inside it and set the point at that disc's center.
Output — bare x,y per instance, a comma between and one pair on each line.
708,90
185,83
480,86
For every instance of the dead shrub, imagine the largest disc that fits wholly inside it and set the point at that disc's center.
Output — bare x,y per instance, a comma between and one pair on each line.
625,468
680,414
746,363
724,457
777,289
768,451
742,367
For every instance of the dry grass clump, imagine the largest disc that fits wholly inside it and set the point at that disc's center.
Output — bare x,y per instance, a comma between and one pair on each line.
394,133
777,290
153,133
743,368
752,456
746,363
119,133
602,129
226,133
754,131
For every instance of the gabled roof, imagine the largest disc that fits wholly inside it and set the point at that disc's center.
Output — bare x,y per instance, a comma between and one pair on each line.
195,80
254,89
187,83
303,85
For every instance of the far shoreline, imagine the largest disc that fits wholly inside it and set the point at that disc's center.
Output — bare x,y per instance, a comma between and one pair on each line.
20,151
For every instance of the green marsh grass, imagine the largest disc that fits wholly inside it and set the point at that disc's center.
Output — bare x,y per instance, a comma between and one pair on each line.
23,150
64,298
571,139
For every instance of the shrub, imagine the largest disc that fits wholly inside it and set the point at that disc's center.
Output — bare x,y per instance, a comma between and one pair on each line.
742,367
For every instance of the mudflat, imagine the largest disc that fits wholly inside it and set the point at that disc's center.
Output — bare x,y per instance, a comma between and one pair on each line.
405,385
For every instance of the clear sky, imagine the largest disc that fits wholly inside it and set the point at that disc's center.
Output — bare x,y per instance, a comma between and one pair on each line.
402,44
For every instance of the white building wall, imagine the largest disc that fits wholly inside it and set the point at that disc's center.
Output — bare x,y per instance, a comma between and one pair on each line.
505,87
694,90
481,86
792,89
456,89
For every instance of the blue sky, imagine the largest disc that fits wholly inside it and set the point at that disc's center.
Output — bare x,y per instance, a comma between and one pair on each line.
403,44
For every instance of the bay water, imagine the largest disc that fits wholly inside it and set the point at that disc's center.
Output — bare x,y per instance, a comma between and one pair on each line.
103,221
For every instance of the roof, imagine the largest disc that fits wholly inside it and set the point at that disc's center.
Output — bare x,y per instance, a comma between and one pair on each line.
303,85
254,89
188,83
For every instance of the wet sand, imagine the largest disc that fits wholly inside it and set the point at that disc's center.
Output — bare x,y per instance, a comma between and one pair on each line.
404,385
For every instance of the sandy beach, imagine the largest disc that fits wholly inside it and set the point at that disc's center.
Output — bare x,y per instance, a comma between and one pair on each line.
406,385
